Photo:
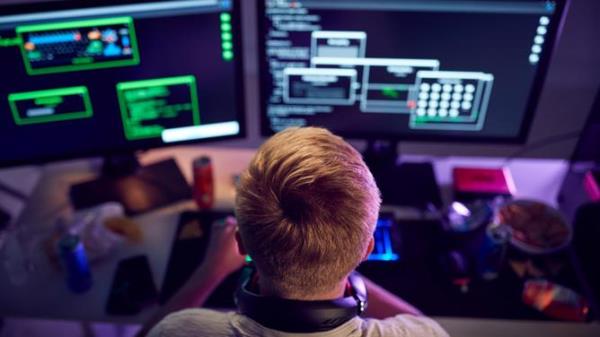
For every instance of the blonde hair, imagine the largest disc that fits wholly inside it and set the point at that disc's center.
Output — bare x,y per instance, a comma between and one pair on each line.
306,207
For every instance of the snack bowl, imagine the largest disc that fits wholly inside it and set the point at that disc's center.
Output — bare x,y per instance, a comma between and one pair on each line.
536,228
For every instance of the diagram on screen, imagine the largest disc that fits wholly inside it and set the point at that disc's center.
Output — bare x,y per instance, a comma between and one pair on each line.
148,107
341,74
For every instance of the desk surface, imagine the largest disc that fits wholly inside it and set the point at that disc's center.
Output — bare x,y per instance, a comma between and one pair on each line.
45,290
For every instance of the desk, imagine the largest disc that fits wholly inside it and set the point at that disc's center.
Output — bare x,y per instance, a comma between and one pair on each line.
46,292
45,289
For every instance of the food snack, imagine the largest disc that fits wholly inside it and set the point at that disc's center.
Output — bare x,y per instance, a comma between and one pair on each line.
536,227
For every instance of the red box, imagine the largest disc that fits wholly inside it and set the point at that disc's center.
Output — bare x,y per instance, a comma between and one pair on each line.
471,182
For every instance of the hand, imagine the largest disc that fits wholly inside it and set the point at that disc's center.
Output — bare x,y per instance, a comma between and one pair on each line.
222,258
222,255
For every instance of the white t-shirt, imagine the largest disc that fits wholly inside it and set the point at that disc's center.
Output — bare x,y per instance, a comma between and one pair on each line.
202,322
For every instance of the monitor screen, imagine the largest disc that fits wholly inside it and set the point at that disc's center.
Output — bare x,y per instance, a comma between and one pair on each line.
465,70
93,77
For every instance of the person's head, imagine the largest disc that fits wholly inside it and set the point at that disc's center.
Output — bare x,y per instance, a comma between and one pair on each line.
307,207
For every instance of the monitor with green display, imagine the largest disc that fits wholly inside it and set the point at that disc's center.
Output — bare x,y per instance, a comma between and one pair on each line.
94,78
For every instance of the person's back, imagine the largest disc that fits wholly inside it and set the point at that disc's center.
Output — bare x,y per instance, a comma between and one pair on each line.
306,208
203,322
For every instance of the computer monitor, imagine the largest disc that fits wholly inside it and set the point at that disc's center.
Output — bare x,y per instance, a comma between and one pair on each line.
107,78
87,78
427,70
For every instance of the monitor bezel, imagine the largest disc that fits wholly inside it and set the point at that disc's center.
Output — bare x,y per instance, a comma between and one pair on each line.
134,148
554,32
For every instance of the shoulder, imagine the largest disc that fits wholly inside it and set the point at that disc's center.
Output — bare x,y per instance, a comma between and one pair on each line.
403,326
194,322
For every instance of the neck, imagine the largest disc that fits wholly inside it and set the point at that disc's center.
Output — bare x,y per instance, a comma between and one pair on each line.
268,289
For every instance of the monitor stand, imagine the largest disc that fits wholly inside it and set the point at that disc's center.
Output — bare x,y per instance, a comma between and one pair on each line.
138,188
402,183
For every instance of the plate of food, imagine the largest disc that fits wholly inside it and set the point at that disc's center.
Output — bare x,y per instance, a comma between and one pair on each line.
536,228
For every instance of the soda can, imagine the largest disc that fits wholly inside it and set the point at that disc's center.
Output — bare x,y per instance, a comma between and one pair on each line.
75,262
493,251
203,190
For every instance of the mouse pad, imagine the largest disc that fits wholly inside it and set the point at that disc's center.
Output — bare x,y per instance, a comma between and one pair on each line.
133,287
188,248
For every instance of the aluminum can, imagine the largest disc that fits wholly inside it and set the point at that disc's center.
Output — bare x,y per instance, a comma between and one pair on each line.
203,189
75,262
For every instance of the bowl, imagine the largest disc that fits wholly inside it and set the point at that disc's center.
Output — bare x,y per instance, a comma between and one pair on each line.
536,228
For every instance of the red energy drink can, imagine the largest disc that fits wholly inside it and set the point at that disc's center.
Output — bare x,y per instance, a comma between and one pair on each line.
204,190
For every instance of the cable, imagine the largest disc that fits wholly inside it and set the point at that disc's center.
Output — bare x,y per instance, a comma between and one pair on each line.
544,142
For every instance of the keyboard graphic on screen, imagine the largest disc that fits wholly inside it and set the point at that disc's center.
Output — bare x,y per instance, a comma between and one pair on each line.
450,100
78,45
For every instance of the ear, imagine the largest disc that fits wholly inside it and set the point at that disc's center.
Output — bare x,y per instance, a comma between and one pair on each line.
369,248
240,244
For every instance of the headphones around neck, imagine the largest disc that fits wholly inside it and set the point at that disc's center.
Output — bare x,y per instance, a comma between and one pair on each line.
297,316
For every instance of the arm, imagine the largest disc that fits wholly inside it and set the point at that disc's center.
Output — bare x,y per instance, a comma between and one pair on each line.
222,258
383,304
